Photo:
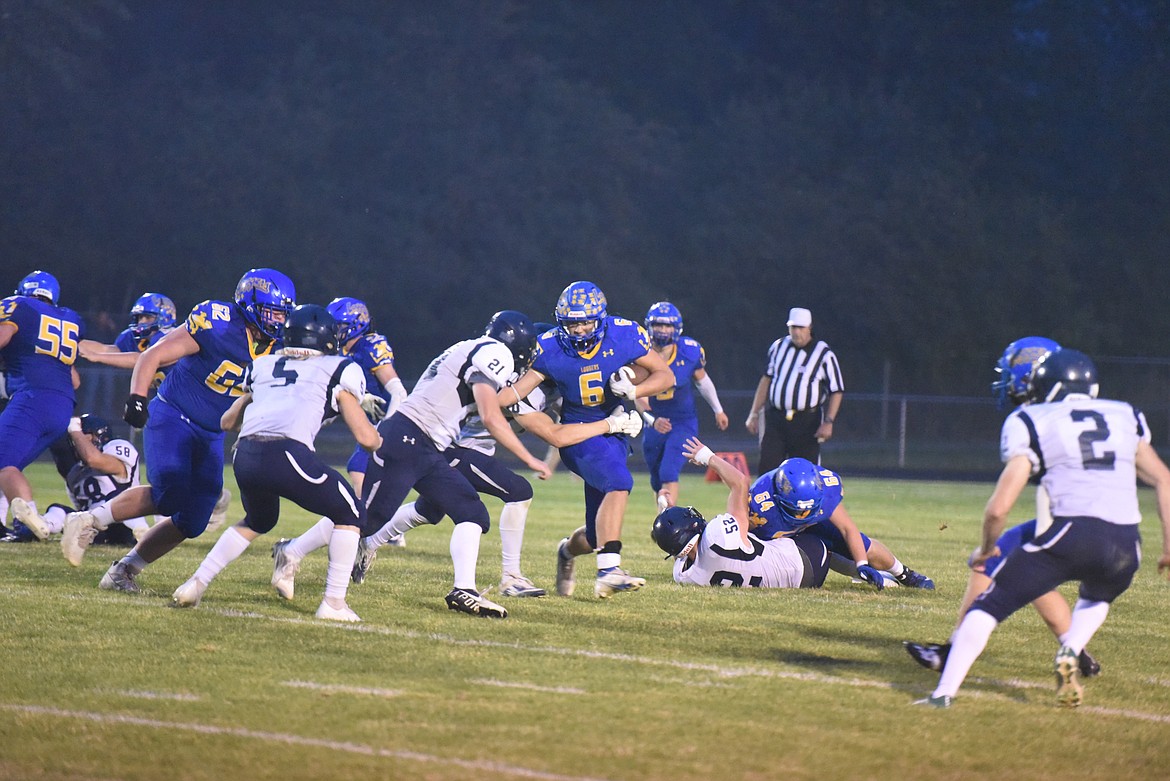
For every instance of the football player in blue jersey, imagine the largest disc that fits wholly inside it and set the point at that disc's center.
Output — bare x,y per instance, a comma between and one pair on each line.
800,496
1011,388
152,317
670,415
587,356
371,351
183,437
38,346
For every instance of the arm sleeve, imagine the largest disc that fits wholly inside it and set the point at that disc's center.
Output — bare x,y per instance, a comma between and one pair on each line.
397,393
709,394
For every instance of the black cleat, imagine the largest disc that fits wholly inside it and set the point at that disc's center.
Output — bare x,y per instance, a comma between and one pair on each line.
932,656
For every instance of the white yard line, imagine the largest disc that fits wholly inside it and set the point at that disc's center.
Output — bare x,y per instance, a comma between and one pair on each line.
530,686
475,766
333,688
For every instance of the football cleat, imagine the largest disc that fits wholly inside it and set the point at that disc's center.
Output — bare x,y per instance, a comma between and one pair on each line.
77,535
284,569
363,562
932,656
912,579
219,512
343,613
467,601
23,512
941,701
19,533
190,594
1089,666
119,578
1068,678
614,580
566,579
397,541
513,584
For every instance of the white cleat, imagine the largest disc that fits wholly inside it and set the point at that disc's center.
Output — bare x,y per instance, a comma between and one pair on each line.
219,512
615,580
343,613
77,535
23,512
284,570
566,569
397,541
190,594
119,578
513,584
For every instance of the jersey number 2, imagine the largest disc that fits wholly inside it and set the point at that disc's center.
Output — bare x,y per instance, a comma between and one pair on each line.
1099,433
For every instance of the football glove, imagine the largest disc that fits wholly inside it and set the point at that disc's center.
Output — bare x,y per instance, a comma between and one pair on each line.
871,576
374,406
622,383
74,425
135,412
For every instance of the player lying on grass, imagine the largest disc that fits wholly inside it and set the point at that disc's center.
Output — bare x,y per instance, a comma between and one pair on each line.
722,552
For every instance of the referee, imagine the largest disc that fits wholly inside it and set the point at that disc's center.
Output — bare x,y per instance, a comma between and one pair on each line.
799,394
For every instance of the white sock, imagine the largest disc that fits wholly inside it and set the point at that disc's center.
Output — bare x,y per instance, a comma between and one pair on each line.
317,536
55,519
1087,618
227,549
134,562
607,560
3,508
512,520
465,553
405,518
663,502
969,641
343,545
897,569
103,516
134,524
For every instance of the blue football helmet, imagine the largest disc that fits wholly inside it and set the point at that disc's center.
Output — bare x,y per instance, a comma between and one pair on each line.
310,329
40,284
580,302
151,312
798,488
661,314
266,297
352,316
96,427
675,527
1060,373
516,331
1014,366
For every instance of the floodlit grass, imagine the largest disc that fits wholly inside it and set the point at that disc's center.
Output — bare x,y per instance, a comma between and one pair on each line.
668,683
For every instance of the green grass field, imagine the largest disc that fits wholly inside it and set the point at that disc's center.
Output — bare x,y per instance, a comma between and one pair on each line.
667,683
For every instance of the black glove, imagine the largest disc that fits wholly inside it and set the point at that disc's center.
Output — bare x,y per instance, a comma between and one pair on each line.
135,412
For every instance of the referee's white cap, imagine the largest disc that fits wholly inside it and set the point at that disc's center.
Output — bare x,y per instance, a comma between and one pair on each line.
799,317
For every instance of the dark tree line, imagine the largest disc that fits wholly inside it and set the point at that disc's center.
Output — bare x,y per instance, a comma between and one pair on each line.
933,180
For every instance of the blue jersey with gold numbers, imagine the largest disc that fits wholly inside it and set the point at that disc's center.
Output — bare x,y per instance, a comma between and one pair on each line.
678,403
126,341
42,351
371,352
202,386
583,378
764,515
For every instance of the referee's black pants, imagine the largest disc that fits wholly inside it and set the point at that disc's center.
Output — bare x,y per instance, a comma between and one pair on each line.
784,438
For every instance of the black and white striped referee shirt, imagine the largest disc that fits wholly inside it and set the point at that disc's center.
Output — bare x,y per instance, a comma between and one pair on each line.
802,378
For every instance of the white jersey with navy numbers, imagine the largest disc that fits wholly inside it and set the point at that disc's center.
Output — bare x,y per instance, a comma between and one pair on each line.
292,397
723,559
442,398
475,436
88,487
1083,451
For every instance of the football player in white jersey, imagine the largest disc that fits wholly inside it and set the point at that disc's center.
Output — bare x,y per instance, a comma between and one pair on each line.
288,396
102,467
721,552
473,456
1088,453
461,381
